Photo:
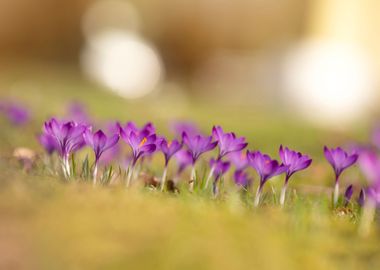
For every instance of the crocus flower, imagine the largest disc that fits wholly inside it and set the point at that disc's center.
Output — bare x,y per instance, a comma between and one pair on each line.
348,195
239,160
77,112
369,164
369,200
113,153
227,142
69,138
184,159
362,196
295,161
266,168
221,167
99,143
197,145
129,127
179,127
339,160
17,114
242,179
373,193
142,142
168,149
49,143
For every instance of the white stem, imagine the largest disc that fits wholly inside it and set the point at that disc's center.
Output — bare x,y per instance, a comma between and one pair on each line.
257,197
68,167
129,176
336,193
163,179
209,176
283,194
367,217
192,179
63,163
94,174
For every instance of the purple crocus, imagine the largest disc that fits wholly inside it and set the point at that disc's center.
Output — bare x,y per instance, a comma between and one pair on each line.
99,142
69,138
348,194
77,112
369,164
373,193
227,142
113,153
369,200
132,127
239,160
242,179
295,161
184,159
266,168
221,167
168,148
179,127
362,196
17,114
339,160
142,142
197,145
49,143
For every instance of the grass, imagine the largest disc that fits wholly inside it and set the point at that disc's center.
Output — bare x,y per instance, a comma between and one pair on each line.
46,223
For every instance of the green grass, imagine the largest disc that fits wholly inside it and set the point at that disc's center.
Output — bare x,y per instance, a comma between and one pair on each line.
46,223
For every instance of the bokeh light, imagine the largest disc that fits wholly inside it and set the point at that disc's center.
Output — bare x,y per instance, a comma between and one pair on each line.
115,54
330,83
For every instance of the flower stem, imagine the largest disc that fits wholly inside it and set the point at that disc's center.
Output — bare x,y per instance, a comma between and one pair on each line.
258,195
130,173
68,170
94,174
66,167
336,193
283,194
163,179
209,176
215,190
192,179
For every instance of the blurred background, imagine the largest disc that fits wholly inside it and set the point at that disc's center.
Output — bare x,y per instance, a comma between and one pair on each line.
317,61
302,73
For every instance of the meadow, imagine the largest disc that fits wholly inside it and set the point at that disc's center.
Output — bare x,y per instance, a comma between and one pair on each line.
49,223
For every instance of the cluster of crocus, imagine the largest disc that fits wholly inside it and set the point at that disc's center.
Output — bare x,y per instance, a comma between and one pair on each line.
227,143
188,145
